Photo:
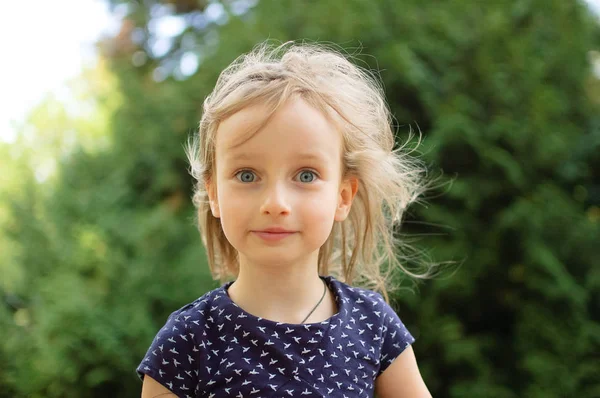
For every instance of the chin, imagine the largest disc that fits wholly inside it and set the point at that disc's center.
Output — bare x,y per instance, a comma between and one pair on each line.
275,257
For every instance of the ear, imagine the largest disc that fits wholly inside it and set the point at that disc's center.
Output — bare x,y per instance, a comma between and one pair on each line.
211,189
348,189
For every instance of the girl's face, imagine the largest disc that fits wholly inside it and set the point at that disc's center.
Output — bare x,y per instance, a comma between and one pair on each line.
277,192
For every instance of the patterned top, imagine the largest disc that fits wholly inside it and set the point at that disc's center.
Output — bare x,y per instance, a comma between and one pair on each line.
213,348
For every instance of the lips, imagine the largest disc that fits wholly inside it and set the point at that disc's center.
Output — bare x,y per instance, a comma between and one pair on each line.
273,234
275,230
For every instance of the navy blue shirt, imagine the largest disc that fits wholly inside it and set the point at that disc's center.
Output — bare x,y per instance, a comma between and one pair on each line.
213,348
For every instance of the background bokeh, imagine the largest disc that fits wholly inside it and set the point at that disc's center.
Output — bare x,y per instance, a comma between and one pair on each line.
97,237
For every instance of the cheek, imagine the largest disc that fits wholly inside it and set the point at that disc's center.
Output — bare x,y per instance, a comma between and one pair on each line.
318,211
233,213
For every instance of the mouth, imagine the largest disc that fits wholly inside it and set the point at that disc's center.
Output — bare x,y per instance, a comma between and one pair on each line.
273,234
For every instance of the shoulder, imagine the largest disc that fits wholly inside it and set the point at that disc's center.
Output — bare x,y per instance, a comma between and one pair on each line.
174,352
364,301
382,325
198,311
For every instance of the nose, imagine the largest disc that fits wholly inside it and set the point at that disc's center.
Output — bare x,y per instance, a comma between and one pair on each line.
275,201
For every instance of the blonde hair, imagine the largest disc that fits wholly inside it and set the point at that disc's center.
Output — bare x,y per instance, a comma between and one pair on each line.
362,249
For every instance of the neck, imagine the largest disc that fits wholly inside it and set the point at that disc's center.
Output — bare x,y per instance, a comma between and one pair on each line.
281,293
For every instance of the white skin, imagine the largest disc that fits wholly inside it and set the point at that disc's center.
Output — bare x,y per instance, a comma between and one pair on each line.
288,175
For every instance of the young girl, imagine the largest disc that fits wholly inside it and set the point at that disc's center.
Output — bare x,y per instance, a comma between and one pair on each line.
298,190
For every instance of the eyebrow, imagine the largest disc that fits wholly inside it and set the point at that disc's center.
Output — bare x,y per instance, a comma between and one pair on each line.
318,156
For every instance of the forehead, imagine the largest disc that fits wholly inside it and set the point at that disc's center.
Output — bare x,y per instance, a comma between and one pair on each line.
296,129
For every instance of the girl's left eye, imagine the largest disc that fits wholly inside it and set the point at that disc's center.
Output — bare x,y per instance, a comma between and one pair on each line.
246,176
307,176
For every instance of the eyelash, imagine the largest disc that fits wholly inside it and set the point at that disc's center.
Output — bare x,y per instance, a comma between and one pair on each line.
315,174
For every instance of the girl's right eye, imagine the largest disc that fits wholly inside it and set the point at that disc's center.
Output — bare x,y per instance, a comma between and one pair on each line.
245,176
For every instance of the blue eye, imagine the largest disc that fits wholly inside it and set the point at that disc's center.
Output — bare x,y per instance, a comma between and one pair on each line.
246,176
307,176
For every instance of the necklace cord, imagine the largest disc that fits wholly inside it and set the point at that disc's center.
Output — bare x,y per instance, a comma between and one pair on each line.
313,310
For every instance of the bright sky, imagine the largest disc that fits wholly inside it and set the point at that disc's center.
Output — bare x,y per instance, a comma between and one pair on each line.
45,43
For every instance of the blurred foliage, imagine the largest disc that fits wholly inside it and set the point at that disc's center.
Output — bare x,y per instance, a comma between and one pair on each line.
98,243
